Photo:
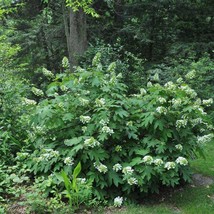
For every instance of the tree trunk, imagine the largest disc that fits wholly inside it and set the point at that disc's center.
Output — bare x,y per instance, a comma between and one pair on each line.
76,34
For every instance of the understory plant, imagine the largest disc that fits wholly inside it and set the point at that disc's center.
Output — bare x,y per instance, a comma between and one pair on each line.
126,143
78,190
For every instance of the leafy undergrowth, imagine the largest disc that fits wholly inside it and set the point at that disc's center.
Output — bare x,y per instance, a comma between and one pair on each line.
189,199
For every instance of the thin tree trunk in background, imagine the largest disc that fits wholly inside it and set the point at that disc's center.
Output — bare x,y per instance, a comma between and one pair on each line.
76,34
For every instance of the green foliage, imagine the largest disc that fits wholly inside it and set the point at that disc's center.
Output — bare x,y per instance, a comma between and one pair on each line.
77,190
131,66
12,90
7,53
126,144
10,180
156,29
13,114
37,202
198,73
82,4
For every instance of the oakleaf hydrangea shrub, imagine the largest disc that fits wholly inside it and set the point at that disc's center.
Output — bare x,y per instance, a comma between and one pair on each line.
197,72
125,143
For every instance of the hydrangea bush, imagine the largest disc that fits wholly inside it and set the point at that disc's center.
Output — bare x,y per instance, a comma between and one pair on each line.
126,143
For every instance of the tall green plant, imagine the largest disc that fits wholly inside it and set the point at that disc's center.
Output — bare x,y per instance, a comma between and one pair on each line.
77,190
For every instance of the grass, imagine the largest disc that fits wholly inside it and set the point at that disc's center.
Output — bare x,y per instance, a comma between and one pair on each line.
206,166
189,199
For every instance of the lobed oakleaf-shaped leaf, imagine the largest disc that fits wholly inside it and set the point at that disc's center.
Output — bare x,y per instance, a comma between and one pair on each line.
73,141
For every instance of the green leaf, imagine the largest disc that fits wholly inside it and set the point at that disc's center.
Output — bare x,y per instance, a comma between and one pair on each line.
59,177
122,113
96,81
68,117
73,141
114,177
132,135
67,183
148,119
136,161
142,152
159,125
76,172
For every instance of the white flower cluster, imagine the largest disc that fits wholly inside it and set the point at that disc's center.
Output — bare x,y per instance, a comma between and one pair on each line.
181,161
202,130
208,102
111,68
37,91
84,129
158,162
68,161
101,167
156,77
22,155
198,102
170,85
96,59
61,105
162,100
205,139
196,121
149,85
120,75
127,170
179,147
117,167
169,165
148,159
48,155
181,123
107,130
39,130
188,91
53,153
47,73
118,201
29,102
202,111
191,75
136,95
81,180
100,102
179,80
65,62
104,122
85,92
113,79
64,88
210,127
91,142
83,102
132,181
55,94
118,148
161,110
85,119
143,91
129,123
176,102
